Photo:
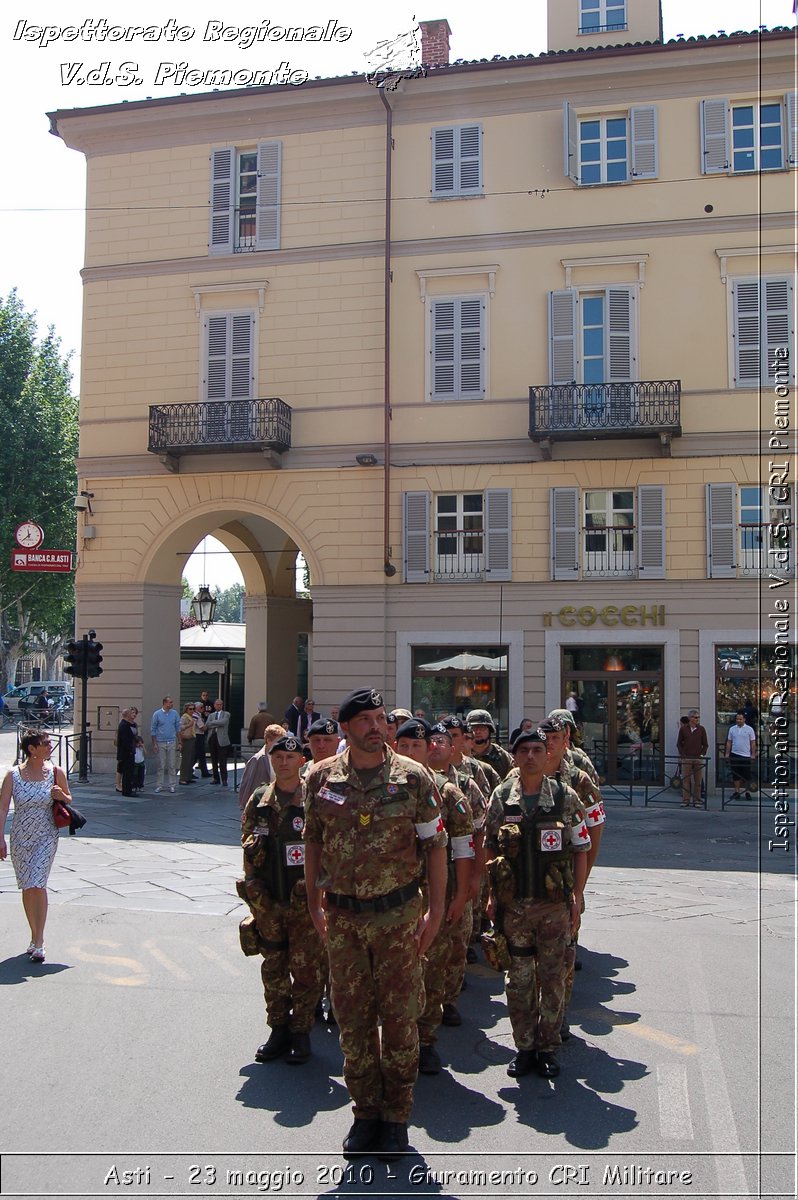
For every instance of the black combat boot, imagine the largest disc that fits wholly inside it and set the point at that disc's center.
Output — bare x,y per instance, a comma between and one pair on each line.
363,1137
393,1141
300,1049
278,1044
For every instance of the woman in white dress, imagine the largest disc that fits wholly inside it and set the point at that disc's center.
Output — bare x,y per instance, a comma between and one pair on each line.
34,836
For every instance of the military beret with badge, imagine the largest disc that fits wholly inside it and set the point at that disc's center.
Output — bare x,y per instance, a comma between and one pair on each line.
443,728
527,735
552,725
452,722
361,700
417,730
290,743
324,726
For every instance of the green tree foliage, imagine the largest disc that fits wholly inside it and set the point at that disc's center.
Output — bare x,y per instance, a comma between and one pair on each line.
228,604
38,445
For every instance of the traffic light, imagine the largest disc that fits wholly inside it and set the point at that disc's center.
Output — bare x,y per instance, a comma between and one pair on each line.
73,658
93,659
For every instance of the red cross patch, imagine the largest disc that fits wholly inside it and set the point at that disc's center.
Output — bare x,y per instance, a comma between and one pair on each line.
551,839
295,855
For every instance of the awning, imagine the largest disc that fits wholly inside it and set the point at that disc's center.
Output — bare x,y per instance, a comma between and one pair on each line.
203,666
466,664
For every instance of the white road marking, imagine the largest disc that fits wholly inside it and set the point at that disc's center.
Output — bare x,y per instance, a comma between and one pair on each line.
675,1120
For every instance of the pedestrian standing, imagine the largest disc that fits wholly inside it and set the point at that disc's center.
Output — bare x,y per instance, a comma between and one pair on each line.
692,744
368,814
217,727
126,734
199,739
740,753
164,728
187,736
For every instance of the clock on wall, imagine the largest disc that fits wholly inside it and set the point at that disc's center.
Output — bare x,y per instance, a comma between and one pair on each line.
29,535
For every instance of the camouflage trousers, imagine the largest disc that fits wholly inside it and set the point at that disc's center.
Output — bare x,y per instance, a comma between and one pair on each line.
376,974
570,961
459,939
294,960
536,982
449,947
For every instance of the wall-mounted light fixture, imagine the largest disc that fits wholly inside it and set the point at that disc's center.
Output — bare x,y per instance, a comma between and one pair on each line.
82,502
366,460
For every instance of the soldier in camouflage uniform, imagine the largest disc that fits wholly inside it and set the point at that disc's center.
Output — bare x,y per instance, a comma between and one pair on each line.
274,888
440,760
537,830
370,817
562,765
579,756
413,739
486,750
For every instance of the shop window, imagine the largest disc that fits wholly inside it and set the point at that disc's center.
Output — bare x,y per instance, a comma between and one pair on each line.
453,680
608,533
745,678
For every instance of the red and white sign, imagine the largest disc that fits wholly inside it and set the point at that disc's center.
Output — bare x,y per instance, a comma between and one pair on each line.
551,839
41,560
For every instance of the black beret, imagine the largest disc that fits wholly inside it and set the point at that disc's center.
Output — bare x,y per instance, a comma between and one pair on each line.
443,727
289,742
325,726
527,735
417,730
453,723
361,700
552,725
392,719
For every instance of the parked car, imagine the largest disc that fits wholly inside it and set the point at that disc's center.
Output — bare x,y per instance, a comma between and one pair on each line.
22,698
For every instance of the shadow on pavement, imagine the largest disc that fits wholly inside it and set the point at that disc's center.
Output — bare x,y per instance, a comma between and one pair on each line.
20,969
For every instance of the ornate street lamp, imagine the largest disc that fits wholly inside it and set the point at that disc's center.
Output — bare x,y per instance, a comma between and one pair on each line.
203,607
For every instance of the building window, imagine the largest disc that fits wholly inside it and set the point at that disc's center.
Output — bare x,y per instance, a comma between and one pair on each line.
245,199
745,678
457,348
757,135
609,534
228,367
592,334
605,148
606,533
763,331
457,161
749,532
601,16
457,536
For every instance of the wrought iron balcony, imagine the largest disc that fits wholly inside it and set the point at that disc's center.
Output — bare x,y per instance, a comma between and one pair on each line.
213,425
605,410
459,555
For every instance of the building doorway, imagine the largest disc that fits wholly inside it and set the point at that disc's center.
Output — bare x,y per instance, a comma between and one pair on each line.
617,692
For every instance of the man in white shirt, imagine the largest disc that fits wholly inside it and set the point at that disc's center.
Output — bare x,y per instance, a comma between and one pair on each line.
741,753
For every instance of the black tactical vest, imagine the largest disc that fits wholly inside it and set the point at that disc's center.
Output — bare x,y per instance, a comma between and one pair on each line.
276,853
543,864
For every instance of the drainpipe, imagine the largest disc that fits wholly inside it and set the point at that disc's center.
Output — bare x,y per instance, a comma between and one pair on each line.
388,566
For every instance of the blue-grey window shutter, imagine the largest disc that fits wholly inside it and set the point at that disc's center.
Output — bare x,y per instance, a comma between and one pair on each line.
714,137
564,533
570,142
416,536
267,235
562,336
651,531
469,159
746,333
223,166
645,156
498,534
791,110
778,324
721,530
621,361
443,161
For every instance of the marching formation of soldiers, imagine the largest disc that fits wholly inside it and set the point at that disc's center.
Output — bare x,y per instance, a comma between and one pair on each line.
372,869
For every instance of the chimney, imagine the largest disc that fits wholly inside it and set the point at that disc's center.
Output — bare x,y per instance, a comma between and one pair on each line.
435,43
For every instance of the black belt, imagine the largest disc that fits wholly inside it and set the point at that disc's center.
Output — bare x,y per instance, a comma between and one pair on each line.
378,904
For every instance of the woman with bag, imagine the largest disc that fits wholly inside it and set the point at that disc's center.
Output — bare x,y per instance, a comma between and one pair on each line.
34,837
187,735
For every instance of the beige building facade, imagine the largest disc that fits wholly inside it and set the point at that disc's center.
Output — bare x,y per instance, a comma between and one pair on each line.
505,350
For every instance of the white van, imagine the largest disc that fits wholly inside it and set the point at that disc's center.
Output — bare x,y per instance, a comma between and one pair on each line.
26,693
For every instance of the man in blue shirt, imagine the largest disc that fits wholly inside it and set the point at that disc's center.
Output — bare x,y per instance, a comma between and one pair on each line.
163,731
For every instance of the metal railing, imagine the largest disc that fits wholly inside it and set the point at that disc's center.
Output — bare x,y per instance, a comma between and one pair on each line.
203,426
459,554
613,27
65,748
609,551
759,543
617,409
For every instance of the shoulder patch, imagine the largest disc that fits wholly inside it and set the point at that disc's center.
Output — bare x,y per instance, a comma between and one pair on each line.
460,807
